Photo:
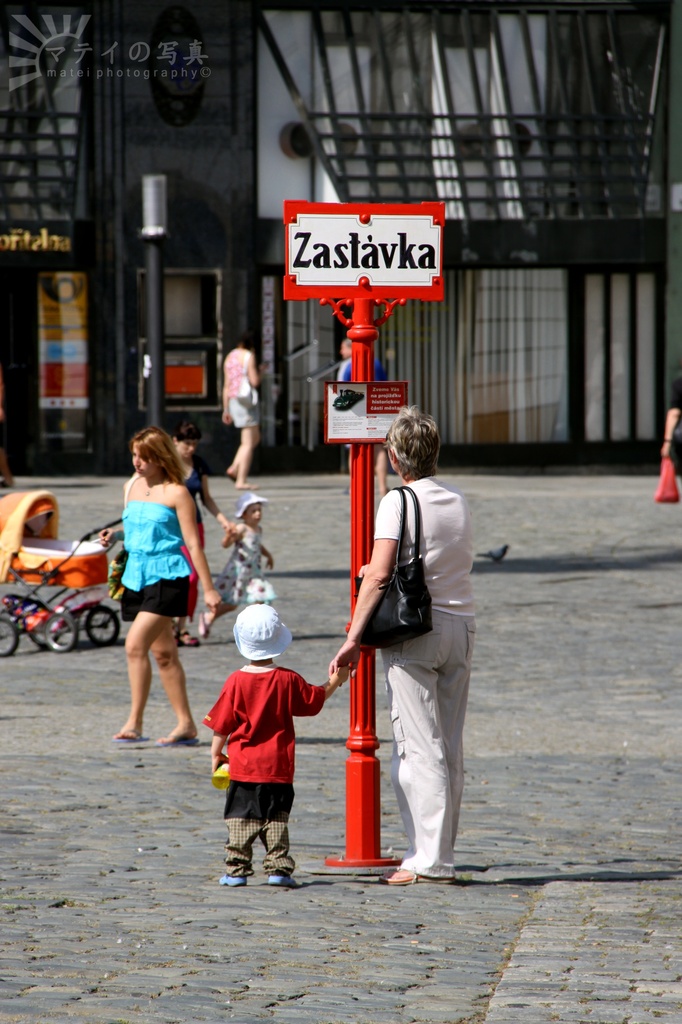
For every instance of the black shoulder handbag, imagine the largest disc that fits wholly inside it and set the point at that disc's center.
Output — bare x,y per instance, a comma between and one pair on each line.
404,609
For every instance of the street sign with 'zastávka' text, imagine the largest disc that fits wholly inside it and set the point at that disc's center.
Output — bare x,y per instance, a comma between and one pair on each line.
351,250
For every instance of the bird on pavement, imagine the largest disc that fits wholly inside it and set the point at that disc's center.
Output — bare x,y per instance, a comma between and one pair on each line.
496,554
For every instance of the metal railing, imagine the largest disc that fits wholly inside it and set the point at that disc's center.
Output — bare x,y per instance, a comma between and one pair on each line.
504,114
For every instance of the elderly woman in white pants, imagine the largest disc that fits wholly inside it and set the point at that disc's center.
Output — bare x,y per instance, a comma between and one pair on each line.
427,679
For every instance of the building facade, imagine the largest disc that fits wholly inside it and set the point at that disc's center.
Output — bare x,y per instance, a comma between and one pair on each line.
545,128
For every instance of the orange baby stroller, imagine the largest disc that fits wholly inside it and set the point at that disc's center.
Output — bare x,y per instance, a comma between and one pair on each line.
32,556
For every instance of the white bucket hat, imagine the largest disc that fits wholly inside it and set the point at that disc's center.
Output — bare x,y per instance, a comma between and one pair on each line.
249,498
260,633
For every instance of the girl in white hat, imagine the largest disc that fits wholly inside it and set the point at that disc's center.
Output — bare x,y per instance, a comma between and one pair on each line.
242,580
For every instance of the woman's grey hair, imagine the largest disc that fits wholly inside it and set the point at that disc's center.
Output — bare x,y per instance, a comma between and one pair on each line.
413,437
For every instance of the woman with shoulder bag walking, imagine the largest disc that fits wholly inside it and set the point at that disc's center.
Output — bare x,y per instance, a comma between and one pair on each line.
241,378
427,678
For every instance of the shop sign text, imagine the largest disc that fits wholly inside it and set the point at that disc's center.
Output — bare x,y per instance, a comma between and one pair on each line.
22,240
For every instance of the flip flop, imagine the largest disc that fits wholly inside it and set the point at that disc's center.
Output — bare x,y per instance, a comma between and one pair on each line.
133,737
401,876
185,639
170,742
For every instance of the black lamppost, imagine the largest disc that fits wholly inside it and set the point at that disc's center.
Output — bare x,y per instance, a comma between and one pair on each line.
154,229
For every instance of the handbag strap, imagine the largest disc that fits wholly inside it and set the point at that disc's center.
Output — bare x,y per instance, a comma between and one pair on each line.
417,520
403,517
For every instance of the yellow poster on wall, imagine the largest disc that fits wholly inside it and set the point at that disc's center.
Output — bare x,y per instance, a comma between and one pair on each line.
64,359
63,340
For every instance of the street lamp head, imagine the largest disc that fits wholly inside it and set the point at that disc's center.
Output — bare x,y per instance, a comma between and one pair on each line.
154,206
153,232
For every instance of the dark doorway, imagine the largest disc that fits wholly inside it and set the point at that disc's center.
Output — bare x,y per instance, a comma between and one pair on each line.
18,356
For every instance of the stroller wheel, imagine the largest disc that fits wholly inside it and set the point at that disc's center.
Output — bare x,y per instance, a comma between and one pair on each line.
36,635
9,636
102,625
60,632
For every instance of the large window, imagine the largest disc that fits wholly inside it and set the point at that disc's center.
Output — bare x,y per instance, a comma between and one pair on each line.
492,364
193,336
43,65
523,114
491,361
620,334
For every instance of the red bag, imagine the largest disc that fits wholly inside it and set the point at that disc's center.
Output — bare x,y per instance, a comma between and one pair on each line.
667,484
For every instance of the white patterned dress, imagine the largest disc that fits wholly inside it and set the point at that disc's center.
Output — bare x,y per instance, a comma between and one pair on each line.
242,580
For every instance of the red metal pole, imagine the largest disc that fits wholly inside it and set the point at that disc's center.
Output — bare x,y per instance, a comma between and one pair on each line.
363,805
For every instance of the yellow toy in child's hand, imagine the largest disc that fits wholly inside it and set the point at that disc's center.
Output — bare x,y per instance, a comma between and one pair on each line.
221,776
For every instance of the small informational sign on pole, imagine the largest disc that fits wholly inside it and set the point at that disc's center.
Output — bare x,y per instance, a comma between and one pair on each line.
361,410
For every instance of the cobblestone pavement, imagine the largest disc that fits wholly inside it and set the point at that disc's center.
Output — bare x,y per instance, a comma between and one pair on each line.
569,906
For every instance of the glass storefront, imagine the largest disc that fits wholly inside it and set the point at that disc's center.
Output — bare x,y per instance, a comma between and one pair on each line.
491,362
544,125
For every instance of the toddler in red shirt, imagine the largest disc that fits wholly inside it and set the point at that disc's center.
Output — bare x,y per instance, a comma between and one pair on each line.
256,710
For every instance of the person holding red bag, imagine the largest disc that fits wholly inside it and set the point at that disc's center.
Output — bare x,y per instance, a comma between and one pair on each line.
672,418
671,456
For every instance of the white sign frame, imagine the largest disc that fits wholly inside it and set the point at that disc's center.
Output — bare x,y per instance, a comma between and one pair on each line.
369,413
369,250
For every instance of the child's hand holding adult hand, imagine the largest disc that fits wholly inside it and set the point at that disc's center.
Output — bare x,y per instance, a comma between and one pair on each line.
335,680
231,533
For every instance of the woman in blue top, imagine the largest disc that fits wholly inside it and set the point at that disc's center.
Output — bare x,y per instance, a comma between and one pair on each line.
159,517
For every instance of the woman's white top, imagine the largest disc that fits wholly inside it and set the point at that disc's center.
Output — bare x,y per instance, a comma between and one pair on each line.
446,545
